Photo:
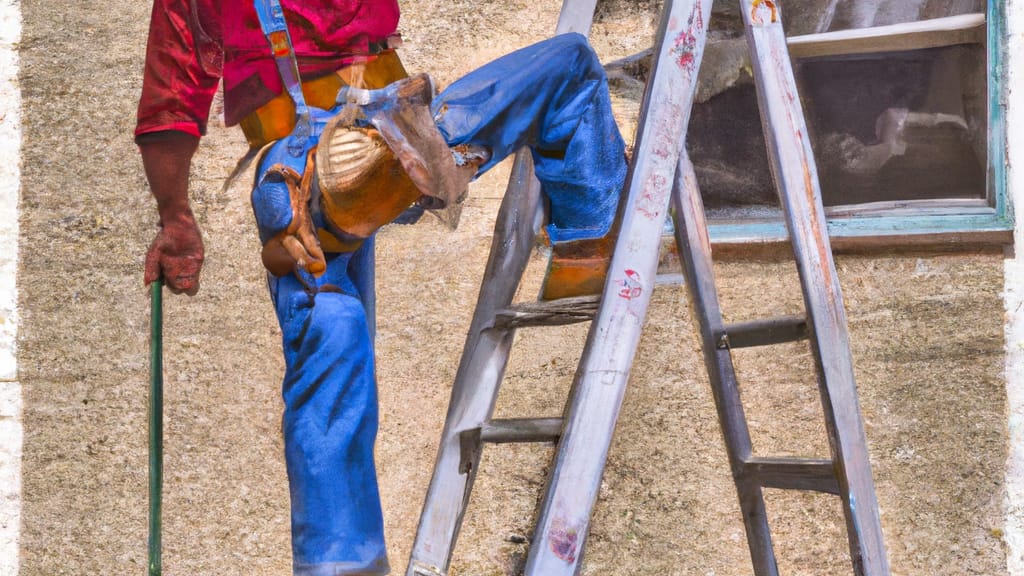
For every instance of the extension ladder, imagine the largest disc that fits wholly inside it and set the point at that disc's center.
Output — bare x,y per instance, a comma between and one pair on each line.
661,173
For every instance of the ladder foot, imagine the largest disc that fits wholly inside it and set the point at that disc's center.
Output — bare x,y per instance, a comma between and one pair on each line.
421,570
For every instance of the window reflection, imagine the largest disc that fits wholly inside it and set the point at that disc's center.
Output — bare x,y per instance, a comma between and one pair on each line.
893,127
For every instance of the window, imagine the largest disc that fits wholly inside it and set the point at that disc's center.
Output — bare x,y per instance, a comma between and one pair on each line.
902,100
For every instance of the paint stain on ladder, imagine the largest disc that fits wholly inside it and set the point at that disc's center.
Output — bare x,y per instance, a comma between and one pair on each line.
755,17
564,541
684,49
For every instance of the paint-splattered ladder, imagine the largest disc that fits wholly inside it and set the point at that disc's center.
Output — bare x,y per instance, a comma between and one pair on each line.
661,173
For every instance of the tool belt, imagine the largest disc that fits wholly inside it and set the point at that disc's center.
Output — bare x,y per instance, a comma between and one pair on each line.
382,151
276,119
341,221
361,183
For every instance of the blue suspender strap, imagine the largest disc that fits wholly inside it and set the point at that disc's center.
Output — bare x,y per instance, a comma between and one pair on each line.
272,21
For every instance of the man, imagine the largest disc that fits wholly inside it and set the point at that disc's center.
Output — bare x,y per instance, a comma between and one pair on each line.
318,231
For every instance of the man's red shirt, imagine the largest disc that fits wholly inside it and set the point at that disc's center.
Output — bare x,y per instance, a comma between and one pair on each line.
194,43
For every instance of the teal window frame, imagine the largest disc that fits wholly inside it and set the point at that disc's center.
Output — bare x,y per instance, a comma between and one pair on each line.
951,226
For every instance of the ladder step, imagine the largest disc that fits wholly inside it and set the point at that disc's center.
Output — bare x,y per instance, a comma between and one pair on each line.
552,313
521,430
793,474
506,431
762,332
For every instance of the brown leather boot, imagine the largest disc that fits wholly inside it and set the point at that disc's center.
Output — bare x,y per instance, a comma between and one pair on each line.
578,267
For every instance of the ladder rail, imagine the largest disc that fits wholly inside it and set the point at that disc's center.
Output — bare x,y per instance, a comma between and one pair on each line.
600,381
486,351
796,180
478,377
576,16
691,234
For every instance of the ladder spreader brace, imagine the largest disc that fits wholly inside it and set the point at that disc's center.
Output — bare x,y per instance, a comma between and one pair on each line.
661,174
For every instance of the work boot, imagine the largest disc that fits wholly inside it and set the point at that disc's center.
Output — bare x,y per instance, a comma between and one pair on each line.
580,267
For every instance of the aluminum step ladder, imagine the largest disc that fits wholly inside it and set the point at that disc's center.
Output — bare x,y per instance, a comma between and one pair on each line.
661,174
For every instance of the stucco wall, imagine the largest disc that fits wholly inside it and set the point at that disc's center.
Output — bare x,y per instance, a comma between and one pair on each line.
52,535
1014,292
10,388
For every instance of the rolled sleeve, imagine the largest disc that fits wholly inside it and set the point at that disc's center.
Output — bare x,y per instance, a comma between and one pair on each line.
181,74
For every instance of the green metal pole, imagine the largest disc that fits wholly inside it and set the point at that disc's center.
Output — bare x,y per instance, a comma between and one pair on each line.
156,423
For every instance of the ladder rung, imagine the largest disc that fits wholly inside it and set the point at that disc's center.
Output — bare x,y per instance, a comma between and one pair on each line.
551,313
521,430
762,332
793,474
504,431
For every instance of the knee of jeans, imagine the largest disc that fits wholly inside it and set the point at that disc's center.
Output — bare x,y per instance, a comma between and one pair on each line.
578,55
573,41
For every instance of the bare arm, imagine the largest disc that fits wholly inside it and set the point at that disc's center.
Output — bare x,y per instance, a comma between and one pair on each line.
176,254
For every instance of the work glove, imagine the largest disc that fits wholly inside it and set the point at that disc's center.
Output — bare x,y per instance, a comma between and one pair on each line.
176,255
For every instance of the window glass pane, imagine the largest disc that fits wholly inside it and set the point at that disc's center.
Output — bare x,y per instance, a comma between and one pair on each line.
898,126
885,127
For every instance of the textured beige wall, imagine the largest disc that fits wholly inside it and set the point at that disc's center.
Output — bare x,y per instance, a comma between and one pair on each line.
932,389
10,387
1014,291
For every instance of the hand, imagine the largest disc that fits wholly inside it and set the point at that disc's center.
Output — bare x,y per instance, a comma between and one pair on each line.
176,255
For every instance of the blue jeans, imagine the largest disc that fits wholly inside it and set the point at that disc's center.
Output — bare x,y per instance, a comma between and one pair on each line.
330,418
551,97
